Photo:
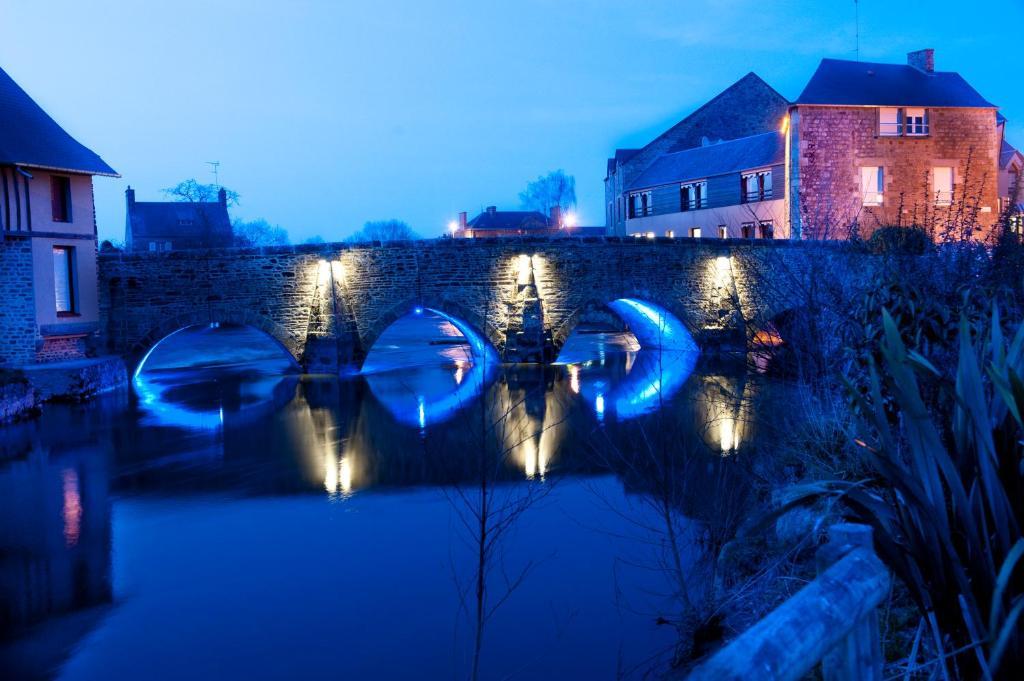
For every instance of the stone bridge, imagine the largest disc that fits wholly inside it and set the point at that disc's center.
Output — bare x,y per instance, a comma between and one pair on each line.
328,303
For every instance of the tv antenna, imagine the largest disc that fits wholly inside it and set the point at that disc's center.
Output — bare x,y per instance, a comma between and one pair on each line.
215,165
856,23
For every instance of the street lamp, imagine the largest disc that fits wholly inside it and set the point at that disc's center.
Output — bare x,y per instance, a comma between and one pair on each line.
569,220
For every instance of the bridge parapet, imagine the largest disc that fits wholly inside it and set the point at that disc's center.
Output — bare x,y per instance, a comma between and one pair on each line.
328,303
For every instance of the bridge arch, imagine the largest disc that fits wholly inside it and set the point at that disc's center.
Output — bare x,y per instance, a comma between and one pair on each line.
484,339
292,345
654,325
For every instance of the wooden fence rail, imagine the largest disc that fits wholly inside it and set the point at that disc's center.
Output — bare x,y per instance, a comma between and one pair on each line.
832,620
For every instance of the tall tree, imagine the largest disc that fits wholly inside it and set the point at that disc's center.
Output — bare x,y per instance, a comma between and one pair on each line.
385,230
194,192
548,191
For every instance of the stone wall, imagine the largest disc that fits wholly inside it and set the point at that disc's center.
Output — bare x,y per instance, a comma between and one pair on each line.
329,303
834,142
17,313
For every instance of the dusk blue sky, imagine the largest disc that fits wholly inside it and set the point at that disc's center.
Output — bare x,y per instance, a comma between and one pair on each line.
327,114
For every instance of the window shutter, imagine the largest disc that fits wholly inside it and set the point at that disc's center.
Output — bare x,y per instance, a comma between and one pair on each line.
927,126
899,126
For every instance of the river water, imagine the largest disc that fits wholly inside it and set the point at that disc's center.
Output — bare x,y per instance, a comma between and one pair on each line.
437,515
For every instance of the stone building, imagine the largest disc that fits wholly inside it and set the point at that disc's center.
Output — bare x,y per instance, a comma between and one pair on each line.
176,225
513,223
747,107
891,144
48,227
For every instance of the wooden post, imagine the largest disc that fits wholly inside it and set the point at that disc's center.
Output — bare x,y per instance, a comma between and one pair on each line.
858,657
833,615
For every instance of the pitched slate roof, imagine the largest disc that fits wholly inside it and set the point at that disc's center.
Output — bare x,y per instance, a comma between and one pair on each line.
746,153
29,137
508,219
1006,154
178,220
843,82
621,156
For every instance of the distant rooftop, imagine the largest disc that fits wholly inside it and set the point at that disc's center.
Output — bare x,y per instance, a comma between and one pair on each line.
508,220
732,156
29,137
856,83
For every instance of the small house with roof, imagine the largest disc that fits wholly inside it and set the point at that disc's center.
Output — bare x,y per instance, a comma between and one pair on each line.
494,223
886,144
176,225
47,234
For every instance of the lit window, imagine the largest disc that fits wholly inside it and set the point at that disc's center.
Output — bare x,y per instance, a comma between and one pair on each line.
942,179
670,233
723,232
152,245
693,195
64,279
766,229
889,122
916,121
167,245
747,230
60,198
756,186
872,185
1015,224
650,235
695,232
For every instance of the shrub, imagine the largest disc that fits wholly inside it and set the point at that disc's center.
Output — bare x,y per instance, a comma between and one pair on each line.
894,240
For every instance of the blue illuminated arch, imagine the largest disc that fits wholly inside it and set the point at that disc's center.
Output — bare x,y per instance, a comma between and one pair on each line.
653,325
421,406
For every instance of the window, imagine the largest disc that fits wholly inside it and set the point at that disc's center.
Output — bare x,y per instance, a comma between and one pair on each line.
889,123
184,222
1015,224
693,195
747,230
152,245
872,185
756,186
942,181
766,229
723,232
640,204
64,280
167,245
916,122
60,198
695,232
670,233
897,122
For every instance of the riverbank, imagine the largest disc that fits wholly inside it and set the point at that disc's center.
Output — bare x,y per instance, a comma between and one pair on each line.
24,390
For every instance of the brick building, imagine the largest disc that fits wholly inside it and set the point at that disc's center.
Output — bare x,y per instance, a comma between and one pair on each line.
891,144
48,228
864,145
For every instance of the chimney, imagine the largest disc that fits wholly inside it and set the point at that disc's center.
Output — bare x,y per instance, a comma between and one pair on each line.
491,210
129,196
222,197
922,59
556,216
462,221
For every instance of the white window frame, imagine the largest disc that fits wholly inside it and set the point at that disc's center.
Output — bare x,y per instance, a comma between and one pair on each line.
723,232
872,197
695,232
915,121
890,121
896,121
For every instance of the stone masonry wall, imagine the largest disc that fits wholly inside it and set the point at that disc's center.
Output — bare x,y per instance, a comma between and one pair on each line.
834,142
17,313
347,295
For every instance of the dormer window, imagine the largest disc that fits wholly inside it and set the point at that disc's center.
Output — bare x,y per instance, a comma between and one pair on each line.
693,195
902,122
755,186
640,204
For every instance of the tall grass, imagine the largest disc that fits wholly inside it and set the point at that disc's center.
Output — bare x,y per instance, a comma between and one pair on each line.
945,494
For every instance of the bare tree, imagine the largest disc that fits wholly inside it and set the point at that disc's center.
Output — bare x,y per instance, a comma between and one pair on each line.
258,232
554,190
194,192
384,230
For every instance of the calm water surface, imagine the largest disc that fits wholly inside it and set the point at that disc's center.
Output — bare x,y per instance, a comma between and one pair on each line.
228,518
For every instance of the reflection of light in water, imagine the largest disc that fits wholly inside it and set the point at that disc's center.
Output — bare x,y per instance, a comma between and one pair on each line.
630,359
72,509
421,412
727,433
460,371
330,471
345,474
599,406
574,379
529,458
